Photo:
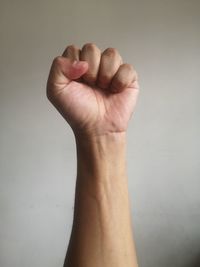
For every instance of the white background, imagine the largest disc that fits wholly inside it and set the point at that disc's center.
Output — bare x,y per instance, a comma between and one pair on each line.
37,150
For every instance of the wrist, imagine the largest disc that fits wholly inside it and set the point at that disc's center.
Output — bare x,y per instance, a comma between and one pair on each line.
102,156
101,166
87,141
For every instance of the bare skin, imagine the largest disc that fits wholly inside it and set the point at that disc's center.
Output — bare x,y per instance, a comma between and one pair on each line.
96,93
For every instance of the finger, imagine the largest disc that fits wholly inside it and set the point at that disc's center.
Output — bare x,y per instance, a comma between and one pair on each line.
92,54
125,77
72,52
110,62
63,70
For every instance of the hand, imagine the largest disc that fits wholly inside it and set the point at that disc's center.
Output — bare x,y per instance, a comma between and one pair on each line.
95,92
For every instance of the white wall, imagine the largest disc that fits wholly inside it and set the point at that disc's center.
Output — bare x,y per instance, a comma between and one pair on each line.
37,152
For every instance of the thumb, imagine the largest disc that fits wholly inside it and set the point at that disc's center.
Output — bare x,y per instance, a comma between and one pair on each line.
63,70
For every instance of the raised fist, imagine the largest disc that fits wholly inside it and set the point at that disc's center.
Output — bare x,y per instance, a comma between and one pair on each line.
95,92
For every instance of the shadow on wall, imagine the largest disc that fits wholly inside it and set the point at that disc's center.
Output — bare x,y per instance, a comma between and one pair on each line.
193,263
196,262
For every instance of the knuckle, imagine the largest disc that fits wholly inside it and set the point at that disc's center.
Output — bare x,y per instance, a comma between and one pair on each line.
128,67
89,46
119,83
71,47
111,52
57,60
131,69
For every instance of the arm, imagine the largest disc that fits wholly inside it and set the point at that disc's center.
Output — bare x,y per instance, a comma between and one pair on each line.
101,233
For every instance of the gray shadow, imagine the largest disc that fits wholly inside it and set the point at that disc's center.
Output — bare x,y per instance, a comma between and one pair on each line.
196,262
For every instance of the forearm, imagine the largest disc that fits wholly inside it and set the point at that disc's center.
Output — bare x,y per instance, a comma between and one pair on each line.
102,234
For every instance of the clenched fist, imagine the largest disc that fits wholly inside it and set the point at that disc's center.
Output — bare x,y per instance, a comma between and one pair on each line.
95,92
